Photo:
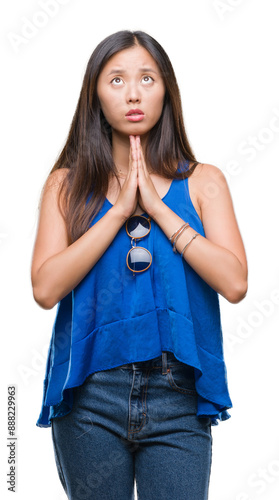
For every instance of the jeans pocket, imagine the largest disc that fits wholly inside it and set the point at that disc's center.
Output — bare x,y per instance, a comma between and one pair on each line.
182,379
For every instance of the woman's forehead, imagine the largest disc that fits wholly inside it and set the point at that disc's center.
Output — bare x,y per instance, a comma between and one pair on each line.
136,57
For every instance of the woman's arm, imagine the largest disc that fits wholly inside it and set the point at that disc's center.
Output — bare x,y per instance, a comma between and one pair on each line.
57,267
219,258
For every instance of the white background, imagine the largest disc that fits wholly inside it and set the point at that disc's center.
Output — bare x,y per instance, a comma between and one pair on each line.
225,56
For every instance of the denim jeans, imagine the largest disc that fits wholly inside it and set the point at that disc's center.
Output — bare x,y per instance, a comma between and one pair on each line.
135,424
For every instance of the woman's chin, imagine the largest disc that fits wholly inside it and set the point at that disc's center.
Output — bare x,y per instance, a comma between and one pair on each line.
142,132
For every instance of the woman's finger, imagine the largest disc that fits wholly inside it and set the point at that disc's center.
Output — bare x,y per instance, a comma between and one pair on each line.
137,146
141,156
133,154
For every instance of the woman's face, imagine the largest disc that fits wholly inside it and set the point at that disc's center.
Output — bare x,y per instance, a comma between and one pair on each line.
131,80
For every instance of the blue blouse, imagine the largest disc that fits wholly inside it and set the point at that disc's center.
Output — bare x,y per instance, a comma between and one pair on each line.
112,318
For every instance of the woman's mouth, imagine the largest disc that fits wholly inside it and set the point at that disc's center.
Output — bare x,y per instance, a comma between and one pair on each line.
135,115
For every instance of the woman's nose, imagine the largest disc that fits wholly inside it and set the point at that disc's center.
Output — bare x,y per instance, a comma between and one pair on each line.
133,93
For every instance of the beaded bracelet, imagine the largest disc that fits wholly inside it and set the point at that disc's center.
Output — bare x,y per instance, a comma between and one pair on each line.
179,234
195,235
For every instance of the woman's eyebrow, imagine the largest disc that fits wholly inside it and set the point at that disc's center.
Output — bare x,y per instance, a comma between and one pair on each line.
141,70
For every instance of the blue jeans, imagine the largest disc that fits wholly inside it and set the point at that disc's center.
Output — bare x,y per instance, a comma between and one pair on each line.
135,423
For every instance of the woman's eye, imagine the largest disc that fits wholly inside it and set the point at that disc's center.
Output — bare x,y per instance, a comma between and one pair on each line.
148,79
116,78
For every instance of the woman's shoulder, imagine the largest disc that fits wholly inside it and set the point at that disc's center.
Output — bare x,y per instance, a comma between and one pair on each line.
56,177
52,184
206,170
208,177
206,182
54,180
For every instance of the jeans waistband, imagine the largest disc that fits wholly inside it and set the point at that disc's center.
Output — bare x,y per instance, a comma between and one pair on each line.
167,359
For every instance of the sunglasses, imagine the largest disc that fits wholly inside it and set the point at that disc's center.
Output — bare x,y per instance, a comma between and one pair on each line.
138,258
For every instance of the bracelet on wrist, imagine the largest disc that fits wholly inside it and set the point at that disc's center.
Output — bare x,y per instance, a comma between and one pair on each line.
193,237
177,231
179,234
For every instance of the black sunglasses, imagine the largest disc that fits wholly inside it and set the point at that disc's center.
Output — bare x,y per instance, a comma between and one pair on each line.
138,258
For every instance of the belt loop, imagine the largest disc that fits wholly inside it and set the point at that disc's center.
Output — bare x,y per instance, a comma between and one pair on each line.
164,363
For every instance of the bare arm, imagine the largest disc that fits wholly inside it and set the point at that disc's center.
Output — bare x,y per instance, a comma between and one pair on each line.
56,267
219,258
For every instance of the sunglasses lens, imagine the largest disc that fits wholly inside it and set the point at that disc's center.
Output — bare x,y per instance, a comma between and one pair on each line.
137,227
139,259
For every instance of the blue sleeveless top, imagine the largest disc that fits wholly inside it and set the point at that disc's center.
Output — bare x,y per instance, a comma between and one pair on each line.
112,318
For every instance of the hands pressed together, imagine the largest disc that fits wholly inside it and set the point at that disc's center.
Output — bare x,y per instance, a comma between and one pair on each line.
138,187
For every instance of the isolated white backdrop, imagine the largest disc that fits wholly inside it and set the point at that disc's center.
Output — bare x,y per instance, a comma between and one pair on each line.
225,55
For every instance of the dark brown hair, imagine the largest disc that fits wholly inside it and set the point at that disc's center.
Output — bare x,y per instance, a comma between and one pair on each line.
87,153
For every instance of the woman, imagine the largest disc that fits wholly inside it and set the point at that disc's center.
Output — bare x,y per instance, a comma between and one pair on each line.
135,375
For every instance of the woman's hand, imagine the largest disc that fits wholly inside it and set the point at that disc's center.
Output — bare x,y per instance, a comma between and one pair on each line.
128,198
138,187
148,196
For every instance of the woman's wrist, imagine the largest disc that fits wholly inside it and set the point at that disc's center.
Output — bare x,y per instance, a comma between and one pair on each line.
118,215
172,225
